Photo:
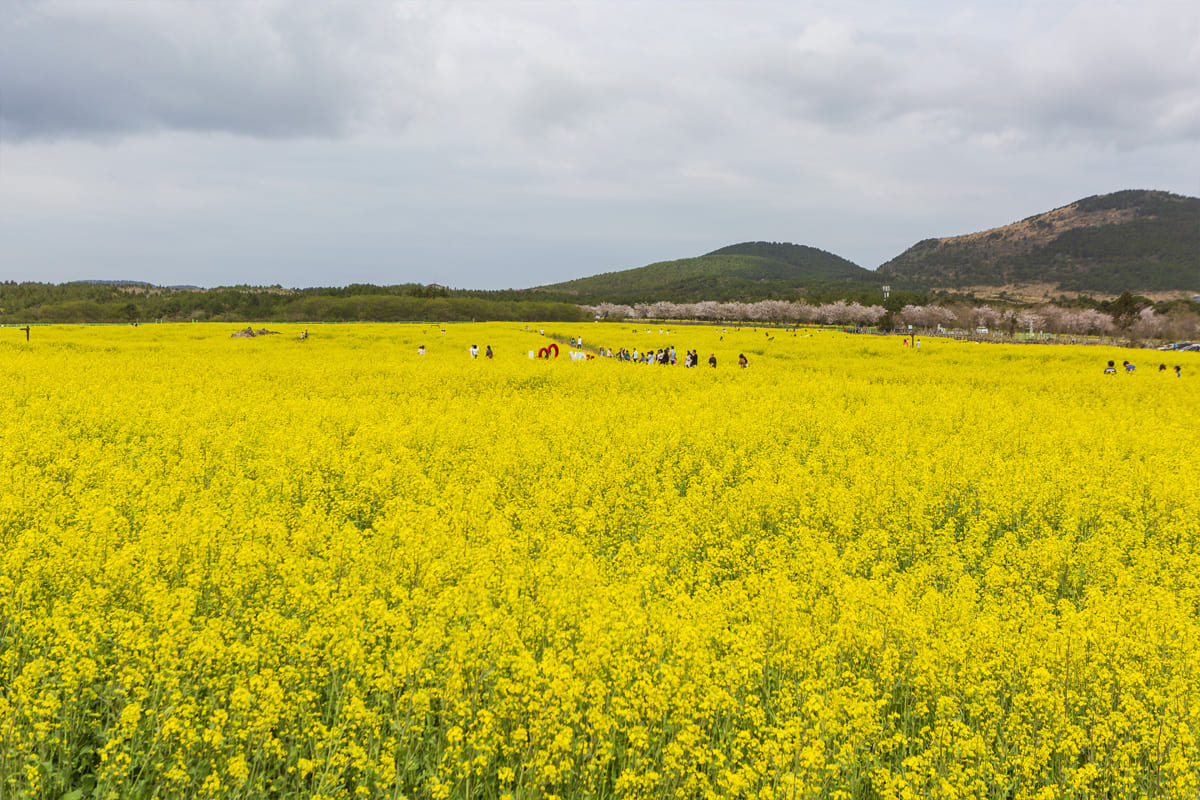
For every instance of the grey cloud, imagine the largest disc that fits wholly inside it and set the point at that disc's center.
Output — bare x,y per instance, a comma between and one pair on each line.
474,143
265,70
558,100
829,90
1117,80
1102,76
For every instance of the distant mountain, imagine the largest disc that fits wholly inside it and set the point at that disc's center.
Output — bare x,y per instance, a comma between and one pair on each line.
1139,241
747,271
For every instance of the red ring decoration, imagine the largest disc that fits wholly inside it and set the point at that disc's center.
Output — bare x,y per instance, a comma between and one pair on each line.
545,351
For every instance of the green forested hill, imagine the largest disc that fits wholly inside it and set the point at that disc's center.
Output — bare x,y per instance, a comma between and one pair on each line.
747,271
1139,241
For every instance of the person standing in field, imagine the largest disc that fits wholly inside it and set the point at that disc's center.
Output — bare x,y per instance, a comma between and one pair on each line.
742,361
712,360
421,350
489,352
474,351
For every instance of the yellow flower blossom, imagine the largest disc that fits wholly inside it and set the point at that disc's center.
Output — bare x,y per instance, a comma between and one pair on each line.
334,568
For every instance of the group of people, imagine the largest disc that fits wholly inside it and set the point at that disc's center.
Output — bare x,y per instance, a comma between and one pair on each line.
666,356
1111,369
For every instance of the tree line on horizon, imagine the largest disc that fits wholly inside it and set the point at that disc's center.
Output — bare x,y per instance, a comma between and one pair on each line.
92,303
84,302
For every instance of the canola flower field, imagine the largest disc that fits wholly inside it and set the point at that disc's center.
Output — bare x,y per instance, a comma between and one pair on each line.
275,568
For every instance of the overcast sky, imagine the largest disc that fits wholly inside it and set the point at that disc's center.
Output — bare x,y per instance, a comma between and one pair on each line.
500,144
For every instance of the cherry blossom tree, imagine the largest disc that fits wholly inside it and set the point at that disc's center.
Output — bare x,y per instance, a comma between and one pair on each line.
834,313
926,317
1148,325
610,311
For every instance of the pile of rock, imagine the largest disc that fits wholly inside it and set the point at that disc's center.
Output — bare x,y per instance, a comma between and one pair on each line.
250,333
